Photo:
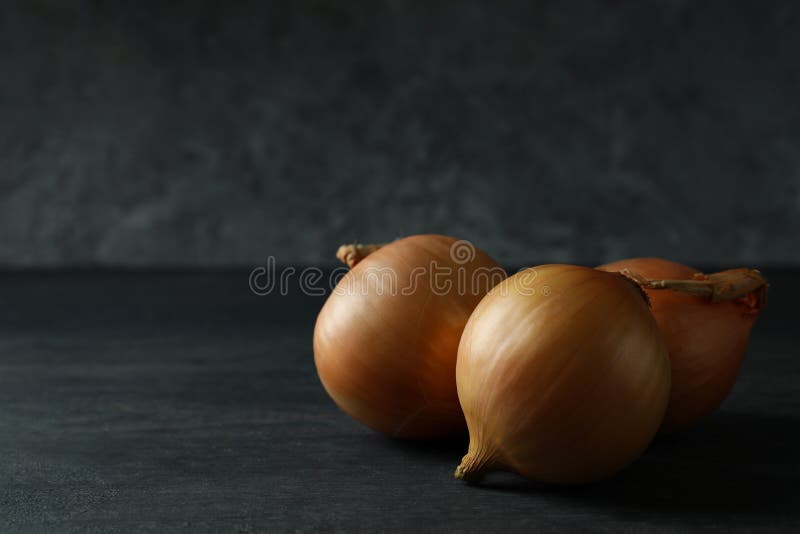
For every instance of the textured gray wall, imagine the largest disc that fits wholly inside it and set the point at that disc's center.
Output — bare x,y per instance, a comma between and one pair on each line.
218,133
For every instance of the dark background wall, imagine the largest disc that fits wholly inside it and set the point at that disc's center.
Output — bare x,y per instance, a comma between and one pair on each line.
219,133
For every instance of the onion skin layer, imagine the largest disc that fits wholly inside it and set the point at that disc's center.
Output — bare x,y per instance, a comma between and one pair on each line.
706,341
567,385
388,360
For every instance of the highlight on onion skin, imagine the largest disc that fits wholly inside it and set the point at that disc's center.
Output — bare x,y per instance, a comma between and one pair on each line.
562,376
387,356
706,338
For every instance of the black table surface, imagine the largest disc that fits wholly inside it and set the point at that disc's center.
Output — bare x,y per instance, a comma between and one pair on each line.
182,401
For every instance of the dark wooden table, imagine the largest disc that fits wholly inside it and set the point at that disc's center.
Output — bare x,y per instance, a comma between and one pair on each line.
181,401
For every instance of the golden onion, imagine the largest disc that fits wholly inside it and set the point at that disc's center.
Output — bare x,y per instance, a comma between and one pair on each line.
386,340
705,322
562,376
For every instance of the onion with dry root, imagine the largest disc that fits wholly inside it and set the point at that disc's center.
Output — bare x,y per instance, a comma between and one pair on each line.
386,340
562,376
705,321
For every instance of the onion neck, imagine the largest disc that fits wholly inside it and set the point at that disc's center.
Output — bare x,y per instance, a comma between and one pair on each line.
749,285
353,253
473,467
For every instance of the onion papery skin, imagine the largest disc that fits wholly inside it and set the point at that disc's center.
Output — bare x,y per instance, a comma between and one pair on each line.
388,359
562,376
706,341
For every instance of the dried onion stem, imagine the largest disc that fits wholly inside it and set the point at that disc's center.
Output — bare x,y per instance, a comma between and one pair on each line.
747,284
353,253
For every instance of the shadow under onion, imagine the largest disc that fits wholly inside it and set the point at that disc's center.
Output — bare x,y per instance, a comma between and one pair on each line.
729,463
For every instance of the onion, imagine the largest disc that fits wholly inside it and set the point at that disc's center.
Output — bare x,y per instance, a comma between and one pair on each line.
705,322
386,340
562,376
